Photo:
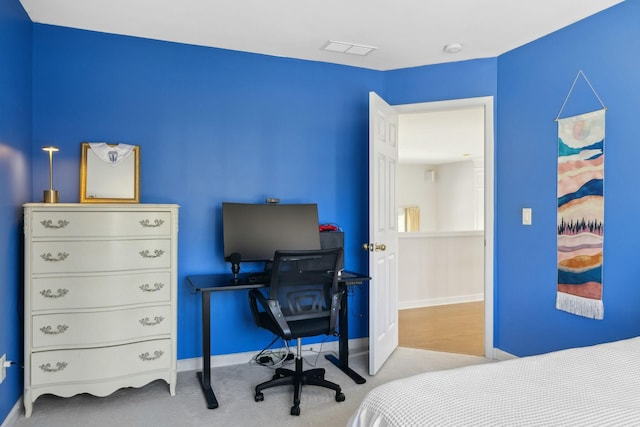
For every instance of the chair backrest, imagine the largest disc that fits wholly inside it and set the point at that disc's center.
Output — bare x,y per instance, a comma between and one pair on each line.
305,283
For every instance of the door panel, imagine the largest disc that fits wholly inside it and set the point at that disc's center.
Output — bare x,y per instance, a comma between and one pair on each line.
383,232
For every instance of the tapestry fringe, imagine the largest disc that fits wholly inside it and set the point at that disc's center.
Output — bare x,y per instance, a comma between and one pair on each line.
587,307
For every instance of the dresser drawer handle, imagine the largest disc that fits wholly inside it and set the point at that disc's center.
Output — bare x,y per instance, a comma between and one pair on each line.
148,288
49,258
148,224
47,223
147,322
147,254
156,355
48,330
59,367
48,293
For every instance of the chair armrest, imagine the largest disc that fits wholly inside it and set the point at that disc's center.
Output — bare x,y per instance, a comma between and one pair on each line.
336,300
272,308
276,315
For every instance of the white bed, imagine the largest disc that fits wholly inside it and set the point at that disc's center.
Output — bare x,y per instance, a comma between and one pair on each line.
589,386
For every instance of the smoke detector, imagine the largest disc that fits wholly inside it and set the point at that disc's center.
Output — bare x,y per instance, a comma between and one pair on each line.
452,48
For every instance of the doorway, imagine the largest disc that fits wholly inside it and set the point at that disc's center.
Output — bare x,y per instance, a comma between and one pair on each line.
469,309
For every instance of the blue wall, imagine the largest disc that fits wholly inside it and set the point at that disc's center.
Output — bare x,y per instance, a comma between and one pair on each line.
217,125
213,125
533,82
15,185
454,80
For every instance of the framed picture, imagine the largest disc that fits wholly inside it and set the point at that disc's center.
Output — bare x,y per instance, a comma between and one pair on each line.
109,173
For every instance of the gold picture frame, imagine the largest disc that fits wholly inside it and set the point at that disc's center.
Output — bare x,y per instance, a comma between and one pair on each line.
102,182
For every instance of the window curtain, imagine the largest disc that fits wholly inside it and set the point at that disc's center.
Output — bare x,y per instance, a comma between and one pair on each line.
412,219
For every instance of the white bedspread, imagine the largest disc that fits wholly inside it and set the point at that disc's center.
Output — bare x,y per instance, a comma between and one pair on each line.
590,386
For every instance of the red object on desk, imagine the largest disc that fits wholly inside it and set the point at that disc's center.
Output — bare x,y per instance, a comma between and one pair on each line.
329,227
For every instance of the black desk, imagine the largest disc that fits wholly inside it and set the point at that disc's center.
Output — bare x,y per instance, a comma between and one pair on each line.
207,283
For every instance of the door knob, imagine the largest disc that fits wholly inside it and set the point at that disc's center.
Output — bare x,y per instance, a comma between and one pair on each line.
377,247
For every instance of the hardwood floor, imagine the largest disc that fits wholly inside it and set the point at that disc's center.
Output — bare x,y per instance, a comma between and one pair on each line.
455,328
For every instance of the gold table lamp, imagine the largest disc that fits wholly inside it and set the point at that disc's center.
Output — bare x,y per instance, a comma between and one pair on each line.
50,195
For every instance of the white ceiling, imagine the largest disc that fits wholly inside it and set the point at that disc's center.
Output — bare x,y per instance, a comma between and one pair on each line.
440,137
406,33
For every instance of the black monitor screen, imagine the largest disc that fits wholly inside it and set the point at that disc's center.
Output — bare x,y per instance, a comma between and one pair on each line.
256,231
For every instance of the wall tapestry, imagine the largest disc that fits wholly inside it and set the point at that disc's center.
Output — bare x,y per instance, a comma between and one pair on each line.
581,214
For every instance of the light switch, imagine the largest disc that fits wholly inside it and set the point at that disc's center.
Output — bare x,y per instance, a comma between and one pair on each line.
526,216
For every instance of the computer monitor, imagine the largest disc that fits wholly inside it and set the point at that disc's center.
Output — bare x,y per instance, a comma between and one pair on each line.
256,231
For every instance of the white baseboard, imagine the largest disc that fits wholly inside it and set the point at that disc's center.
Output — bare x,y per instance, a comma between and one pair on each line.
502,355
403,305
14,414
356,346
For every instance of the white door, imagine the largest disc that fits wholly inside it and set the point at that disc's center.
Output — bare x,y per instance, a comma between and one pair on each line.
383,232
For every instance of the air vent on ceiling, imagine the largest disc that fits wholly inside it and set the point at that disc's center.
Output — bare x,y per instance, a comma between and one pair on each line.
349,48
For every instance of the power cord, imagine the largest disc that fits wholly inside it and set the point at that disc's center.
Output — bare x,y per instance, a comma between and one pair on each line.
272,359
275,359
318,353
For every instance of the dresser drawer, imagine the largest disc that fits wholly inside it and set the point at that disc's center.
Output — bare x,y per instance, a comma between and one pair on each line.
50,293
100,224
100,255
100,328
84,365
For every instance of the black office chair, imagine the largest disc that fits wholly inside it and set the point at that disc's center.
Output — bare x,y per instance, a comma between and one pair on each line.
304,301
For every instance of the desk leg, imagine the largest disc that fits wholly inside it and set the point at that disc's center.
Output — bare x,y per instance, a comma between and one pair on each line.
343,344
205,375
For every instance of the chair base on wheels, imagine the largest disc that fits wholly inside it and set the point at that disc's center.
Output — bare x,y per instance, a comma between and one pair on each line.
297,379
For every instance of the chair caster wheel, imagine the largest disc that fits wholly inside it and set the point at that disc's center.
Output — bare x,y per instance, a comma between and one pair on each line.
295,410
259,397
340,397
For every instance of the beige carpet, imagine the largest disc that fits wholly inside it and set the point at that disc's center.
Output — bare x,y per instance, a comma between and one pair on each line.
152,405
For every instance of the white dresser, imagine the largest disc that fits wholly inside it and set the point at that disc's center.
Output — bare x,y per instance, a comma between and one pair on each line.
100,298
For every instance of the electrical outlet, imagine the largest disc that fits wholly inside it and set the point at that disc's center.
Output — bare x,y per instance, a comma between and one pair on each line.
3,370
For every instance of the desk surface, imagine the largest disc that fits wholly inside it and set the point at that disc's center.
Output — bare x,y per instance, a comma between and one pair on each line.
226,281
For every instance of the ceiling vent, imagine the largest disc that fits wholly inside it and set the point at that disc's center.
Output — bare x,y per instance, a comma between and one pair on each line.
349,48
